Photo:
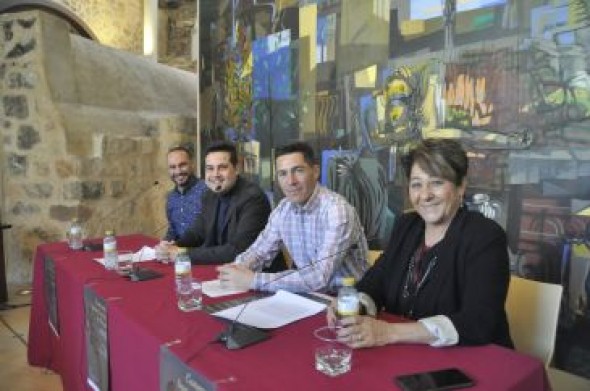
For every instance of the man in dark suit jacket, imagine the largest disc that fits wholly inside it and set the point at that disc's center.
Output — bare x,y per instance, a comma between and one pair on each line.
234,211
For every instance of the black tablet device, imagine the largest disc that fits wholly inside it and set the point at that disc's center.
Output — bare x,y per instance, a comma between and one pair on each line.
443,379
92,246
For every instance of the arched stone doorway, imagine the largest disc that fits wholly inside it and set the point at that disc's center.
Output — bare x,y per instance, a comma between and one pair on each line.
77,24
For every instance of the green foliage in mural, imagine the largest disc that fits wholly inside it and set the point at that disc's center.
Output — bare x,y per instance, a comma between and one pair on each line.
580,11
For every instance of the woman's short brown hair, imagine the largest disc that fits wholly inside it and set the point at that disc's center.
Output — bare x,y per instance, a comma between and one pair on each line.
443,158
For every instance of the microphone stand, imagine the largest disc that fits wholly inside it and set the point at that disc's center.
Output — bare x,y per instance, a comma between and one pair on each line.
238,335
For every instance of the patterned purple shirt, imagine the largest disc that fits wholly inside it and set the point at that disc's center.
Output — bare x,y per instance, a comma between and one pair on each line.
324,238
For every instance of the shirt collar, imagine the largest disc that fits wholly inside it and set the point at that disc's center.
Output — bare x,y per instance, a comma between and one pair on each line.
230,192
312,203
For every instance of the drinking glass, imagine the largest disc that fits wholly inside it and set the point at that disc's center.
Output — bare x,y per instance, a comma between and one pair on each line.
190,296
124,262
332,357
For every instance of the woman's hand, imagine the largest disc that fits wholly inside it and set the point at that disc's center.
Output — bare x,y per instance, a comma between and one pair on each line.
365,331
331,316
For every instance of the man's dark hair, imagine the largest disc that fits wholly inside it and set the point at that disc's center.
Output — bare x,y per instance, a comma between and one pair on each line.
224,146
186,148
297,147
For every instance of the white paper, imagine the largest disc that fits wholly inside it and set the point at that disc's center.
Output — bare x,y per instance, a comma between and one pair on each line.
214,288
272,312
144,254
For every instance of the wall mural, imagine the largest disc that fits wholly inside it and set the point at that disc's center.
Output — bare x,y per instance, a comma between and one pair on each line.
364,79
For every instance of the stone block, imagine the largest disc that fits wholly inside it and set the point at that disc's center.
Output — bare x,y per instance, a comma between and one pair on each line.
7,30
39,190
87,190
16,106
64,168
93,167
67,213
27,137
17,164
92,190
146,145
25,209
117,188
72,191
31,238
119,146
21,49
42,168
25,79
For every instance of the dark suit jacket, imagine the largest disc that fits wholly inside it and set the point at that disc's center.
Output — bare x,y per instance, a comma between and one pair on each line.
468,284
247,215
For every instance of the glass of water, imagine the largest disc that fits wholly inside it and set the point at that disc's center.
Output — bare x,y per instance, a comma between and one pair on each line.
190,296
124,262
332,358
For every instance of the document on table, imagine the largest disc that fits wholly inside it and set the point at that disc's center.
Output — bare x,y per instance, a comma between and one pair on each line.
213,288
144,254
272,312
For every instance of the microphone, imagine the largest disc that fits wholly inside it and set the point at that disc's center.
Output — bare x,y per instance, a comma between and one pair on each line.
238,335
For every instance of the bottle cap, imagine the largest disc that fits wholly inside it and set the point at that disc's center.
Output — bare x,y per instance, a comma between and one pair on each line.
348,281
108,232
181,250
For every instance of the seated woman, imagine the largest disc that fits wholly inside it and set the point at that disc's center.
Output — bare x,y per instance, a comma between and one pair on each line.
446,268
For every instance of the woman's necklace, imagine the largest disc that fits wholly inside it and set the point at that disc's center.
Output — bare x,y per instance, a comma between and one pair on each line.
415,279
437,238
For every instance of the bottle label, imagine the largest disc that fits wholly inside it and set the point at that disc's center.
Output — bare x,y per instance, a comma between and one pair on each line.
348,306
110,247
182,268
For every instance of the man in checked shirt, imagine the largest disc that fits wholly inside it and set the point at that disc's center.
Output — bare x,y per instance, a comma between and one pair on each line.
318,227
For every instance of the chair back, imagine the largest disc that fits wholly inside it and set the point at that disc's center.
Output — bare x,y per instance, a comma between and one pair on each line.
532,308
373,255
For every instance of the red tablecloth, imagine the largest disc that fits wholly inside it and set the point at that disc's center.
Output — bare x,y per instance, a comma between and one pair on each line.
66,353
143,315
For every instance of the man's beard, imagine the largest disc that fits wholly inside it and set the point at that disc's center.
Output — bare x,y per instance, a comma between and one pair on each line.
183,180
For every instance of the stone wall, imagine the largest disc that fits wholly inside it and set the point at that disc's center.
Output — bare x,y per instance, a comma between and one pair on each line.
84,133
179,24
116,23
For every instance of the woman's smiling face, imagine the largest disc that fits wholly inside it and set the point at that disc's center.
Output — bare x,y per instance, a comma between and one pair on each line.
435,199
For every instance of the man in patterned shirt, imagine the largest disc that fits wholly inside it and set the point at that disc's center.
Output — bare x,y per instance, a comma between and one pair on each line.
183,203
319,228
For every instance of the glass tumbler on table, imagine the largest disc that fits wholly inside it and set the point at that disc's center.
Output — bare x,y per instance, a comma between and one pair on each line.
188,290
124,262
332,357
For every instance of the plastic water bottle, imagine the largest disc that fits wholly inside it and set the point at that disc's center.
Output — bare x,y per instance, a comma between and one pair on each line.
189,299
74,235
348,301
109,246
